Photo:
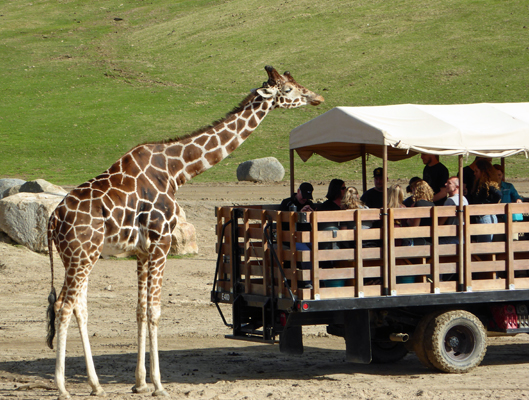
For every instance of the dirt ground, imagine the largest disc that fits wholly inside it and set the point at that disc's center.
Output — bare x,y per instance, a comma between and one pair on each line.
197,361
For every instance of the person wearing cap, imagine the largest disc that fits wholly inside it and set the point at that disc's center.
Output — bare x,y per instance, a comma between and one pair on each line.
435,174
374,197
302,199
299,201
408,201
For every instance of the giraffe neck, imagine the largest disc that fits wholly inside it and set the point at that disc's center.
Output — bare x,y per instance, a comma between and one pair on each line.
193,155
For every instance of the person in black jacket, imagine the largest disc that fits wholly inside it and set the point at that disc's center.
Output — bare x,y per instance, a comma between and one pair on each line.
302,199
486,190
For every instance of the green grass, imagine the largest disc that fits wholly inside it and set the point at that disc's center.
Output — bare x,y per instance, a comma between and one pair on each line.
79,88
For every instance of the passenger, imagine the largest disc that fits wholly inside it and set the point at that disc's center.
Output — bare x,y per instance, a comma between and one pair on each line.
334,196
408,201
486,190
302,199
508,193
468,175
452,188
435,174
395,200
422,197
396,196
333,203
374,198
351,201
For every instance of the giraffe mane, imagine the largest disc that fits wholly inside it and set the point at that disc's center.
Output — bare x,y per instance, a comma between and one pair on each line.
199,131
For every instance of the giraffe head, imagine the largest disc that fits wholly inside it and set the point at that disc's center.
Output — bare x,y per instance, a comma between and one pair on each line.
287,93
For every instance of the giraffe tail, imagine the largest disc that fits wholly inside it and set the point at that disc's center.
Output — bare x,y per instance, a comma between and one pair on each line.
52,298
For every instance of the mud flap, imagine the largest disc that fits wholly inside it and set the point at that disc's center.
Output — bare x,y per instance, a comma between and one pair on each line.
357,336
291,340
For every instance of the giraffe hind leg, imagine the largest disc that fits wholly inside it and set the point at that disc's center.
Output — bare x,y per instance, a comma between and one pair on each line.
156,266
81,313
72,300
141,318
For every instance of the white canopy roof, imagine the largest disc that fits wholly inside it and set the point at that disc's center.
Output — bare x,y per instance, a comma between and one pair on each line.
344,133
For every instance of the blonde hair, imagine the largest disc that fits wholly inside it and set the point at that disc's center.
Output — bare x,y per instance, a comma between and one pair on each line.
351,199
395,196
422,191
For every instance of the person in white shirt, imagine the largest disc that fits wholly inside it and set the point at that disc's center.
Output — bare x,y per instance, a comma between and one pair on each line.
452,189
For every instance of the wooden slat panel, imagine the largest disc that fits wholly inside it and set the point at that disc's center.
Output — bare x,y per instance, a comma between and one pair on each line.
314,257
488,284
337,292
488,266
337,273
484,260
487,248
372,290
416,288
257,289
246,267
359,255
522,283
483,229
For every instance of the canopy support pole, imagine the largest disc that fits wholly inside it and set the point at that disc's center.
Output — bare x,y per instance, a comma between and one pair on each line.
460,233
291,171
385,230
364,168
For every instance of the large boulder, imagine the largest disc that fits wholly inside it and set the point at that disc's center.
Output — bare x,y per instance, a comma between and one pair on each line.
184,236
24,218
267,169
7,183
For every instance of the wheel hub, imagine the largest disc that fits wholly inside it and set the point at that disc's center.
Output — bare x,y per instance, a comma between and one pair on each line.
453,342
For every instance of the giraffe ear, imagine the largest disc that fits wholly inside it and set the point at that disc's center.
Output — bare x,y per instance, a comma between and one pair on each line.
266,93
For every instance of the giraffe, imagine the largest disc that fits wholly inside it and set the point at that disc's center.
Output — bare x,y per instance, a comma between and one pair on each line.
132,207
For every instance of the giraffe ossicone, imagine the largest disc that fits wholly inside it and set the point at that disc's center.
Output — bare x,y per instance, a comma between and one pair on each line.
132,207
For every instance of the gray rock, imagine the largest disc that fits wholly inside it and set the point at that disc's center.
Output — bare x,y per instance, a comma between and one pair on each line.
8,183
41,186
267,169
24,218
11,191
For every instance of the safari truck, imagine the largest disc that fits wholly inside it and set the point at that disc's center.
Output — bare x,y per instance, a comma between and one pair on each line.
281,271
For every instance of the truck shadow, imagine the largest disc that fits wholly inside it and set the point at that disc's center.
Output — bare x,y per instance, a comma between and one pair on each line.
210,365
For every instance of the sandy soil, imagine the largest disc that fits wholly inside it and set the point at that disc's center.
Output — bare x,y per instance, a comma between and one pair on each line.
197,362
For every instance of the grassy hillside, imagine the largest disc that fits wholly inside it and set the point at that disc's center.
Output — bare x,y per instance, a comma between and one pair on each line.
83,82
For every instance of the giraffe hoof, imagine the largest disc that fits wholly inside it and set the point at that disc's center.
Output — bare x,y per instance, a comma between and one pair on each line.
98,392
160,393
141,389
64,396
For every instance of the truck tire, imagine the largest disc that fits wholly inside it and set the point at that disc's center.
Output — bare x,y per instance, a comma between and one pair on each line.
419,342
455,341
387,352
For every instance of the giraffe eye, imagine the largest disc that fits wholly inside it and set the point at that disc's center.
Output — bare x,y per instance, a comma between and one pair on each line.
288,90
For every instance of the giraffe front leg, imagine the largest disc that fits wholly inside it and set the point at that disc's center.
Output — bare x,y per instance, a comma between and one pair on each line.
154,310
154,317
141,318
81,313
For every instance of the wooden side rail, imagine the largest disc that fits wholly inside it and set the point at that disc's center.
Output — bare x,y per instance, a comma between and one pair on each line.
328,254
